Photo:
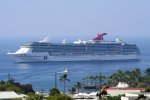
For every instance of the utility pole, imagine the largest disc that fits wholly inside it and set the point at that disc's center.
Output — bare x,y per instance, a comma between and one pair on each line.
42,91
55,80
100,81
8,77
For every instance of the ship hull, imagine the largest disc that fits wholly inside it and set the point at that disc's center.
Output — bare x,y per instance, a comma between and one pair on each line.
41,58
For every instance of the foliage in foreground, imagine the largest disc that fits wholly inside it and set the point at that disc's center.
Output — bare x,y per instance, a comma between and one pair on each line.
11,85
115,98
59,97
53,92
72,90
33,96
102,95
147,89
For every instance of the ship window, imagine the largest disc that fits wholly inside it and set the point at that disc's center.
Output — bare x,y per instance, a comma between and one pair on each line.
45,57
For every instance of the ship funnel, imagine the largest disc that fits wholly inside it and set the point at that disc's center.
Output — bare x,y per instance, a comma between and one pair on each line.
99,37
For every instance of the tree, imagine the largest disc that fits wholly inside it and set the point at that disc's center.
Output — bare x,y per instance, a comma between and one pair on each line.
17,87
27,88
84,80
78,86
92,79
135,77
147,76
102,80
72,90
33,96
102,94
54,91
59,97
11,81
137,73
147,89
2,82
147,72
64,78
115,78
115,98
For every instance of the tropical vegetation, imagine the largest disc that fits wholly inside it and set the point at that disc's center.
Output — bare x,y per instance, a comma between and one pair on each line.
55,94
72,90
11,85
59,97
134,78
33,96
78,86
53,91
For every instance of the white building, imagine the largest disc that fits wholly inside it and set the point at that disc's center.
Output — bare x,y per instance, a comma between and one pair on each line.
121,89
133,96
6,95
85,96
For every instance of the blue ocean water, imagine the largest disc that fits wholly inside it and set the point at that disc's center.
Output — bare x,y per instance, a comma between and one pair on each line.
42,75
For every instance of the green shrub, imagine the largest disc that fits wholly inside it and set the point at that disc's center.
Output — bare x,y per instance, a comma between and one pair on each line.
59,97
147,89
17,87
2,87
33,96
115,97
53,92
2,82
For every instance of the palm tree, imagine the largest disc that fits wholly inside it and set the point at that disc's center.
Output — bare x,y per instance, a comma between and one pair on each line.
102,95
147,72
147,76
101,79
72,90
137,73
128,77
95,80
64,78
84,80
53,91
78,86
135,77
91,77
116,77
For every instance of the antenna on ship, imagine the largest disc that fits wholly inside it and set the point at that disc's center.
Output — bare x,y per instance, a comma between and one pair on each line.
64,41
45,40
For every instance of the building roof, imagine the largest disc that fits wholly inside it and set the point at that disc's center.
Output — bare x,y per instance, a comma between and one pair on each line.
9,95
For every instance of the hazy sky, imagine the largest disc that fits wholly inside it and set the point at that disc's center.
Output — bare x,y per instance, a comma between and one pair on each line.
74,18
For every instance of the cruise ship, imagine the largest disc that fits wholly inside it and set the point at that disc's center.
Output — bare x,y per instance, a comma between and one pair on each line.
96,49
